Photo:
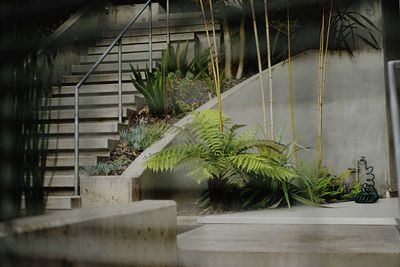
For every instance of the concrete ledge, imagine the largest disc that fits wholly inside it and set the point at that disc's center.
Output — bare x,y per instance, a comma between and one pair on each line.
137,234
100,190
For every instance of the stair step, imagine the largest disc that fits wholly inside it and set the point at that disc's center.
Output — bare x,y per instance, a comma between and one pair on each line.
145,39
84,144
59,181
87,128
96,78
68,160
173,30
94,89
60,202
290,245
163,24
127,57
128,48
65,102
110,67
94,114
183,15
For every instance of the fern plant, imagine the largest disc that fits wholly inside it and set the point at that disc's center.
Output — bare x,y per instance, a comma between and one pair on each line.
225,160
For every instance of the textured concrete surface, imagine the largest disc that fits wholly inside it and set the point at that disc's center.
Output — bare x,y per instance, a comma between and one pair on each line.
290,246
383,212
101,190
138,234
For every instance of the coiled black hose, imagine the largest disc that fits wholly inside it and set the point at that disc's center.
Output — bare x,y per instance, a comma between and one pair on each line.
369,193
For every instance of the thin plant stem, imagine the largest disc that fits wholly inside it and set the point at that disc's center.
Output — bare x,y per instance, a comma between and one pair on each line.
292,115
260,75
214,69
271,101
218,85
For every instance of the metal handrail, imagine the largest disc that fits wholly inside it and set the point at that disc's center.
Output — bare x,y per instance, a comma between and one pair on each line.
117,41
394,115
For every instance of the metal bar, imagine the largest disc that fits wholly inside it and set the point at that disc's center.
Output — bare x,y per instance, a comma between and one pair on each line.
150,39
394,116
111,46
168,24
76,165
84,78
120,81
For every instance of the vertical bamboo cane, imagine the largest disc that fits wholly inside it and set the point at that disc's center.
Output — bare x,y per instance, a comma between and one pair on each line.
216,62
271,102
294,137
320,77
214,69
264,108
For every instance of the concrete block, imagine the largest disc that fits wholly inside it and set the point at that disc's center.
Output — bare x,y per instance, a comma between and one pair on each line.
101,190
136,234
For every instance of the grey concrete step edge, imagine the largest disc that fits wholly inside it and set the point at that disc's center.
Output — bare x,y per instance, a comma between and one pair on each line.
86,114
177,29
87,128
65,144
63,102
93,89
111,67
128,48
157,38
97,78
127,57
61,203
162,24
180,15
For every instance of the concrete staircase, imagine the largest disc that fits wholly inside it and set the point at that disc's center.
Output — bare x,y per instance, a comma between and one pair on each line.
99,127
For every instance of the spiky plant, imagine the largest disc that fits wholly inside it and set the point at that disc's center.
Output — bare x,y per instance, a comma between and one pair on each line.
225,160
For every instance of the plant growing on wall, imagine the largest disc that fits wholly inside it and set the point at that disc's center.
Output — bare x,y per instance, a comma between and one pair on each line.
225,160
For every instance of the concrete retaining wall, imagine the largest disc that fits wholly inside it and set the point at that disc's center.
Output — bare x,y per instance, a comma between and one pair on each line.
137,234
354,119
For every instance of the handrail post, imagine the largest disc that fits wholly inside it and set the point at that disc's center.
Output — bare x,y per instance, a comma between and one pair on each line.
168,26
120,81
76,163
394,116
150,38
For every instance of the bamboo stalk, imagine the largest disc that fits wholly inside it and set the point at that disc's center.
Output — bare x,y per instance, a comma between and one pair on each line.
264,108
320,104
242,42
216,62
271,101
214,69
294,137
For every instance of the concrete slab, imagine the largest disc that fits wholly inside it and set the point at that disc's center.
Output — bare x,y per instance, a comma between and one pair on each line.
136,234
290,246
383,212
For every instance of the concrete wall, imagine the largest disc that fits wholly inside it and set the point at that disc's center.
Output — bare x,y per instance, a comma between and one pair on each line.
137,234
354,119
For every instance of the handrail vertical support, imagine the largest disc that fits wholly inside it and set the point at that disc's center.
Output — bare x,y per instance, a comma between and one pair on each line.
168,25
76,159
394,117
120,81
150,38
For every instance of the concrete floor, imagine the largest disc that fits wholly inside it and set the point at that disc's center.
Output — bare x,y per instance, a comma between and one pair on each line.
383,212
290,246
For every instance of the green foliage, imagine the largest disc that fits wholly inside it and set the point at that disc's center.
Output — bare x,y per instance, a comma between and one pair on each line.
327,188
153,87
224,157
349,25
137,139
108,168
178,88
144,135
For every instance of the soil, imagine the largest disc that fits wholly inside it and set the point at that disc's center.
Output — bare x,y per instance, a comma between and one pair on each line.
196,95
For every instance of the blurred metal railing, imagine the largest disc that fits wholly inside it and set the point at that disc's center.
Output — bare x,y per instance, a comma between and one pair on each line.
117,41
394,115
